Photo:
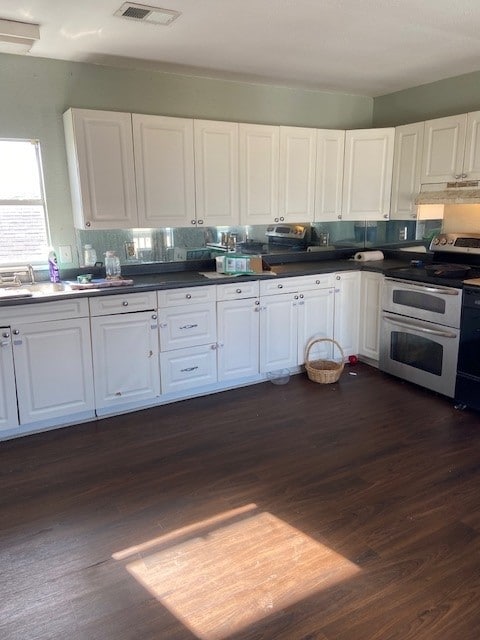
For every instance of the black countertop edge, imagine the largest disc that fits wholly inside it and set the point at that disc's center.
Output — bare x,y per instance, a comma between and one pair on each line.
182,278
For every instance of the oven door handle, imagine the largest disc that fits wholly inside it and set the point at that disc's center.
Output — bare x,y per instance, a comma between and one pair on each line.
406,324
448,291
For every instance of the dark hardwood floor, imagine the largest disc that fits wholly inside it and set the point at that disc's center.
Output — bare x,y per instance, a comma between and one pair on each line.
297,512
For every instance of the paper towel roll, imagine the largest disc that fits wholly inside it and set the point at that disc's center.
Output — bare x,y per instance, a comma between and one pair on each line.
364,256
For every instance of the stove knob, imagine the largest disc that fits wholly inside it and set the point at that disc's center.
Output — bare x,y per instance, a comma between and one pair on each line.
436,241
443,241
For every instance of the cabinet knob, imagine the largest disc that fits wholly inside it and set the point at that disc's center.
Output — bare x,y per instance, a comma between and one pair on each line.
282,218
338,278
339,216
295,297
276,220
257,302
457,176
16,332
238,291
214,346
301,295
193,221
188,296
88,224
280,286
163,325
385,215
5,334
464,175
199,221
154,316
125,303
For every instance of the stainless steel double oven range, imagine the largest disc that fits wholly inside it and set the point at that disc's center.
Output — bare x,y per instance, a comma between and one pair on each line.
422,307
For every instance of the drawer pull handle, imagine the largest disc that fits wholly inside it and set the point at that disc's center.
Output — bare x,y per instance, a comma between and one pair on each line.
280,286
238,291
188,296
188,369
189,326
125,303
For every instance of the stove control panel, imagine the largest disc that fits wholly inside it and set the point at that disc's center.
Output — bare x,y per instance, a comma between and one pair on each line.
456,243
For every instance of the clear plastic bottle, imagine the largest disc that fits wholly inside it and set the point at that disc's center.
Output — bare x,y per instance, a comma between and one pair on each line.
89,256
112,265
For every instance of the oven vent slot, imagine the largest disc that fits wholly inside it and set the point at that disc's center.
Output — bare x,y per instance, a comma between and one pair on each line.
145,13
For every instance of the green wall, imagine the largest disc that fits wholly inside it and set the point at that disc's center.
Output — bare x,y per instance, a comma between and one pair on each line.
443,98
35,93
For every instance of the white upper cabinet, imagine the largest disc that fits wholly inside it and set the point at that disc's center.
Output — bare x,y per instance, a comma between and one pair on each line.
297,174
471,160
407,162
259,160
329,174
216,173
367,176
443,149
164,170
101,168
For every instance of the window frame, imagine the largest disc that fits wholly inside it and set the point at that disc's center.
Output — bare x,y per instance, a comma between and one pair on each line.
30,202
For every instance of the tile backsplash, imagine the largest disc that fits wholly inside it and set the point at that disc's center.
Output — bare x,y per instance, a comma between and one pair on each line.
139,246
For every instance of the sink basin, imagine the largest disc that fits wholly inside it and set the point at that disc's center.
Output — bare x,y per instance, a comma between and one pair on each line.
14,292
48,288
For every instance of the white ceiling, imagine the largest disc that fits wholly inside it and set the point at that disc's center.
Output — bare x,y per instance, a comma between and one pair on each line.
367,47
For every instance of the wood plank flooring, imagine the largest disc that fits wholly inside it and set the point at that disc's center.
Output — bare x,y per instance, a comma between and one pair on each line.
297,512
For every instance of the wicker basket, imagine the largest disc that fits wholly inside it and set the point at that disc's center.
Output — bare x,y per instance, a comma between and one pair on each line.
323,371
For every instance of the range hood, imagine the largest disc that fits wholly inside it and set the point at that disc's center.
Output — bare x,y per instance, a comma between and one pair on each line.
464,192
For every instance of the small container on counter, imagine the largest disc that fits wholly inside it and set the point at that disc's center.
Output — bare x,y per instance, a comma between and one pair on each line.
112,265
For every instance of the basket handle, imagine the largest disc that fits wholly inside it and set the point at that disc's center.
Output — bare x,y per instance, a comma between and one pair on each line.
315,340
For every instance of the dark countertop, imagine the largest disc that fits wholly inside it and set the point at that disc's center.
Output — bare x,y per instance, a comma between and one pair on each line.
189,278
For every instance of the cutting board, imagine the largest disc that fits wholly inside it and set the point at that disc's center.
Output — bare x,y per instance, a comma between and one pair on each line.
101,283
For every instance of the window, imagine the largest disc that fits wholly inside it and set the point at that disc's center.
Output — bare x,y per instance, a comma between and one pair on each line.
24,235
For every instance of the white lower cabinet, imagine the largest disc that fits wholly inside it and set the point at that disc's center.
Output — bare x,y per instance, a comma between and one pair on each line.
46,366
8,393
347,311
188,338
238,332
370,314
125,356
289,320
125,350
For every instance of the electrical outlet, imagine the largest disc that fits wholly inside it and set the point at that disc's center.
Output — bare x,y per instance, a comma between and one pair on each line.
65,254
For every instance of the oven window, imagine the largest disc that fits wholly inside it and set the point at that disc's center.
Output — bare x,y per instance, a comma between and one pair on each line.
417,351
419,300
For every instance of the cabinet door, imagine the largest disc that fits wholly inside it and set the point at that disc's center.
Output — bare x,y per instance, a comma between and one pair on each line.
329,174
346,315
190,368
370,313
125,358
297,174
315,320
259,157
53,368
407,165
238,335
8,395
216,173
278,332
471,162
165,176
101,167
187,326
368,174
443,149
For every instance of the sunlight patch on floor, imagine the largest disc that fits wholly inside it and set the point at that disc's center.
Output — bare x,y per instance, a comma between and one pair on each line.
221,575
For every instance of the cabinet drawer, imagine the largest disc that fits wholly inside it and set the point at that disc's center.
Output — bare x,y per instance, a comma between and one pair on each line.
279,285
186,295
187,326
45,311
238,290
123,303
188,368
316,281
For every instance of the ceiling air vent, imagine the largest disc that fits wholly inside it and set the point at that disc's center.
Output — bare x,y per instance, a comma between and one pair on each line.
144,13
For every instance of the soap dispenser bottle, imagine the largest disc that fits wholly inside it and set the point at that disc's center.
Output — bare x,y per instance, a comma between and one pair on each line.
53,266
